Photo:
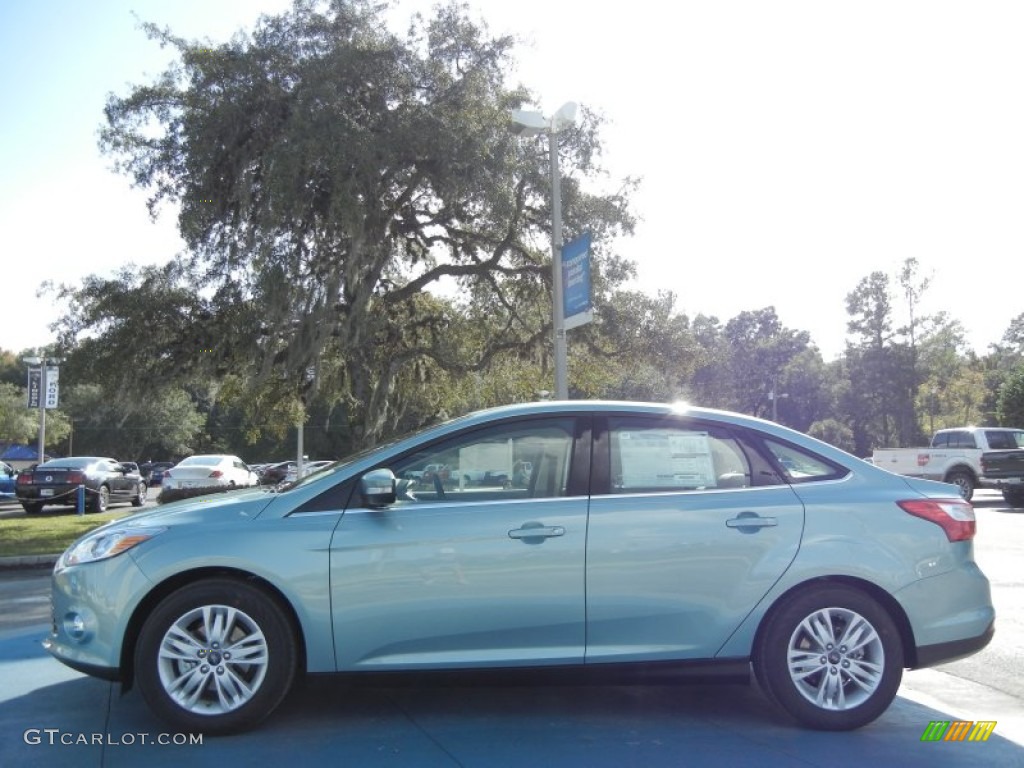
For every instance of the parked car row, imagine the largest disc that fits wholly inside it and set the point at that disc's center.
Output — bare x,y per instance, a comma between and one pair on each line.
276,473
108,481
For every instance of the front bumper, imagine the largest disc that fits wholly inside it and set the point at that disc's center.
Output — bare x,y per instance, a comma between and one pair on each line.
92,605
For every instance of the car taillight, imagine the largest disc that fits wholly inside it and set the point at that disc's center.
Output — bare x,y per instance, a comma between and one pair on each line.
75,478
955,516
216,473
165,473
24,479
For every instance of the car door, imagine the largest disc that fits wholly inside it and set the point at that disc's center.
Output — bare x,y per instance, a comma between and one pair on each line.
457,574
117,478
689,527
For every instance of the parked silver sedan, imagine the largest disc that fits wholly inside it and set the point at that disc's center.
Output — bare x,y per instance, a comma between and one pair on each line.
651,538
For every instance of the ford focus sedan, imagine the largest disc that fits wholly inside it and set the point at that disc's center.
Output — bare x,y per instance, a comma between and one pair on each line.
666,540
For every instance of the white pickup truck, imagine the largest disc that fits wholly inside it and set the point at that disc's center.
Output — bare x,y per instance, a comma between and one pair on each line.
954,456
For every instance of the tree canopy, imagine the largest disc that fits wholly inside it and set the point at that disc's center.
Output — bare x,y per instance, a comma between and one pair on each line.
328,173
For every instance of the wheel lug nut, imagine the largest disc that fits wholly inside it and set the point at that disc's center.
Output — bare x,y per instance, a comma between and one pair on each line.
824,659
220,670
204,669
833,670
227,655
846,665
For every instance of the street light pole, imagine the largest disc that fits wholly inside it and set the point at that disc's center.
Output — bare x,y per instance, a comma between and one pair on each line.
532,124
558,309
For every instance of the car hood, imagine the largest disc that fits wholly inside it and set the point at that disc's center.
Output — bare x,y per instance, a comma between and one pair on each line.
243,505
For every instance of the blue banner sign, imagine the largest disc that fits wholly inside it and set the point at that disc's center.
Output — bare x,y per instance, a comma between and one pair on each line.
576,304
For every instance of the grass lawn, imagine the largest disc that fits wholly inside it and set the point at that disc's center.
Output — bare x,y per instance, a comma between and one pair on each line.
46,533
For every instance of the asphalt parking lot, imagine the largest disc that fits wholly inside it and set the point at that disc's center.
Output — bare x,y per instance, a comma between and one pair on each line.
51,715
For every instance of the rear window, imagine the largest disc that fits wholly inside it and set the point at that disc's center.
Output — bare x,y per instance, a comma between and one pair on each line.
1001,439
200,461
801,466
66,464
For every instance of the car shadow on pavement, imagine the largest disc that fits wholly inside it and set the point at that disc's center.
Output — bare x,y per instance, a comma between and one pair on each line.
480,726
445,722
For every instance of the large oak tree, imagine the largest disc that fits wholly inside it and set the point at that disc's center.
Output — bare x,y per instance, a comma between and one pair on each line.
335,182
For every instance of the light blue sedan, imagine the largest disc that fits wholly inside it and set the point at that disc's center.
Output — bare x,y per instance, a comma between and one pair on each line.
658,539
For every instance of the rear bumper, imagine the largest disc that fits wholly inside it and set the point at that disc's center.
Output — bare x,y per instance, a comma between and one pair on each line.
58,494
941,653
951,615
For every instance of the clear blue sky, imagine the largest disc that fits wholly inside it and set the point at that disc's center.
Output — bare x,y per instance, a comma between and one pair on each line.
787,148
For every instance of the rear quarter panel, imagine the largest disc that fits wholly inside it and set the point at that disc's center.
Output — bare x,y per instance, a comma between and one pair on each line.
855,530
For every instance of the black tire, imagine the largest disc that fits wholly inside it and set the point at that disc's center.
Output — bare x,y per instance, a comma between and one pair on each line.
964,481
101,499
1014,498
31,507
140,495
794,683
257,618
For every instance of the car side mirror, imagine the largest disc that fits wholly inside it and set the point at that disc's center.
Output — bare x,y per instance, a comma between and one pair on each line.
378,488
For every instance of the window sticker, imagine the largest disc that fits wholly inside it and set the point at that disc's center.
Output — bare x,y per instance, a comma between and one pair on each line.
663,458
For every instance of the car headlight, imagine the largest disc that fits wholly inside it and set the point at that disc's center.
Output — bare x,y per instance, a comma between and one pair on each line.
106,543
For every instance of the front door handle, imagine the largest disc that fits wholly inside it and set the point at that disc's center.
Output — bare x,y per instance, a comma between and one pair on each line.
751,522
536,531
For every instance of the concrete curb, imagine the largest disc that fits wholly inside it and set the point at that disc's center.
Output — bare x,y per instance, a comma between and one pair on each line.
28,561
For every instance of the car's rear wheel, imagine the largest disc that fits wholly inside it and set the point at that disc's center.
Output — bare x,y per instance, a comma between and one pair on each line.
1015,498
140,495
217,656
964,482
831,657
101,500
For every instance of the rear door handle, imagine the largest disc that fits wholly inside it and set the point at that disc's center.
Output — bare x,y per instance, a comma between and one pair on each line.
750,522
537,532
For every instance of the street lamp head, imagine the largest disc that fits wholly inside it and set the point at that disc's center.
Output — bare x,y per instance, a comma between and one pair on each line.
529,123
526,123
564,117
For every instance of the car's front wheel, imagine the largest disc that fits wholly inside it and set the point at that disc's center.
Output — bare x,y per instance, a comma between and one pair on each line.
831,657
216,656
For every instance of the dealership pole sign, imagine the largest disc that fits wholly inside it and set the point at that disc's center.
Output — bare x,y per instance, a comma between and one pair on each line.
51,397
577,307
